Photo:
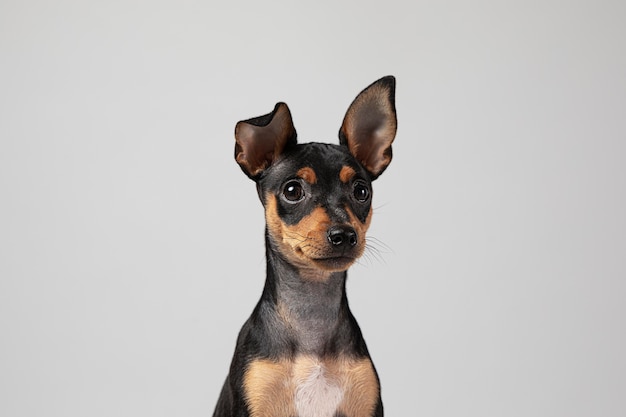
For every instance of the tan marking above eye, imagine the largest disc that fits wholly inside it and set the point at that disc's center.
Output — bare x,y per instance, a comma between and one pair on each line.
346,173
307,174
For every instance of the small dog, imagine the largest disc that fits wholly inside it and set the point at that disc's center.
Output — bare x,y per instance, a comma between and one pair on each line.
301,352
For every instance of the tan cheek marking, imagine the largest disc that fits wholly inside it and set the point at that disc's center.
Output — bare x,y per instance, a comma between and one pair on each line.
277,229
267,389
301,241
346,173
307,174
360,228
309,235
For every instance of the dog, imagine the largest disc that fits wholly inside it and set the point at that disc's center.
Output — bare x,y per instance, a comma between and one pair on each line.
301,353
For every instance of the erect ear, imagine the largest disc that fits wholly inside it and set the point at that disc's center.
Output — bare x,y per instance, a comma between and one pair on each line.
369,126
260,141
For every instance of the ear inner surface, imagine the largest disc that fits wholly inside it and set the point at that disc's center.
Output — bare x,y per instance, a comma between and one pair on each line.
261,140
370,124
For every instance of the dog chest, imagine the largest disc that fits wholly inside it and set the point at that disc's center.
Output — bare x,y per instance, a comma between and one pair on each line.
311,387
317,392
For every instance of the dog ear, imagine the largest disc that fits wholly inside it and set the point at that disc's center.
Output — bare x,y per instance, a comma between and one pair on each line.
260,140
370,124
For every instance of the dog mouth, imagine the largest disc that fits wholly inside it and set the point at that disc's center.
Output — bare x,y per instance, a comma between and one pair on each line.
325,258
334,263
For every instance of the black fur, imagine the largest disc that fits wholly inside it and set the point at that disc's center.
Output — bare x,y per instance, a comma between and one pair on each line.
303,309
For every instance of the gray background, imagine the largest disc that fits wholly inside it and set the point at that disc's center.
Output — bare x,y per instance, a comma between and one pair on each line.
131,245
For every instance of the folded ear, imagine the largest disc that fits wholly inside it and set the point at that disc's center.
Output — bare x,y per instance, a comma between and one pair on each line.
260,140
369,126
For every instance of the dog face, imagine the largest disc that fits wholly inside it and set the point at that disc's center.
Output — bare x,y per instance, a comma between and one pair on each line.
317,197
317,200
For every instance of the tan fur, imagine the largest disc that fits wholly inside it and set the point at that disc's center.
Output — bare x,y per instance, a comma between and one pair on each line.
268,391
307,174
361,388
346,173
272,388
301,243
360,228
304,242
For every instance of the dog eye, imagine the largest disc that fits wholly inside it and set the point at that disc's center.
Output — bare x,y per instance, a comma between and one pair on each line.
361,192
293,191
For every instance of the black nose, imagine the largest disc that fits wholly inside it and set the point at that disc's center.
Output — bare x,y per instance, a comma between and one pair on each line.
342,236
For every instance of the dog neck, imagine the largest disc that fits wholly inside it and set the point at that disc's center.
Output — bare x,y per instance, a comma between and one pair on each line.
312,313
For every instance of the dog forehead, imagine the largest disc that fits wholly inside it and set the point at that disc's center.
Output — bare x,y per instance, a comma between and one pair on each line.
318,160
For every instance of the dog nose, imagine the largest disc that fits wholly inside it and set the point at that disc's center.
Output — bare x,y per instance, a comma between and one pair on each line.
342,236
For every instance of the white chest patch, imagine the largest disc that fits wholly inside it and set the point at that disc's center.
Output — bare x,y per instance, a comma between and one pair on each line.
317,393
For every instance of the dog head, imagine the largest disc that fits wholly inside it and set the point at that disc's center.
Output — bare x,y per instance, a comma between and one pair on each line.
317,196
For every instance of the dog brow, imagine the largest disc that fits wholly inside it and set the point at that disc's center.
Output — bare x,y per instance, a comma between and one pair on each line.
346,173
307,174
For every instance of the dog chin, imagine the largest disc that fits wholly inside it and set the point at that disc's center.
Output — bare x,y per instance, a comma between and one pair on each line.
334,264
